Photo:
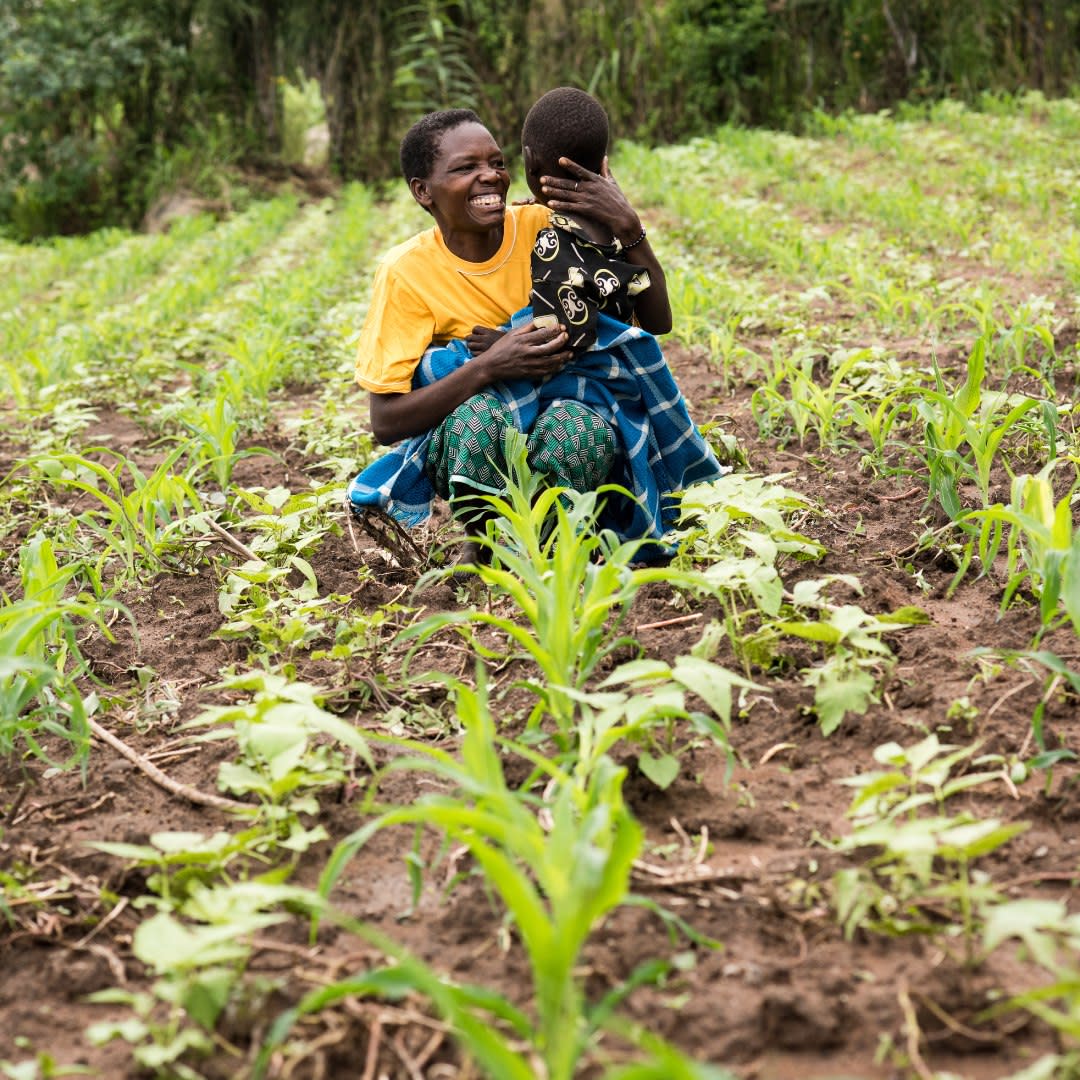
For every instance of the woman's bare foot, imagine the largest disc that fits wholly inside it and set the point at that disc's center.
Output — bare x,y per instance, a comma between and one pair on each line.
471,553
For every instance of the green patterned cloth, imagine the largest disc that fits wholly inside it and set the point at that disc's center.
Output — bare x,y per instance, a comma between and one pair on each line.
569,444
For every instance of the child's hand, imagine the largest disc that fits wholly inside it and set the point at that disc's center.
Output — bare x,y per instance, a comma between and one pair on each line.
482,338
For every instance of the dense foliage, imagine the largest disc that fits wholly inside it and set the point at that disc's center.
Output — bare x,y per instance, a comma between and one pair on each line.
106,103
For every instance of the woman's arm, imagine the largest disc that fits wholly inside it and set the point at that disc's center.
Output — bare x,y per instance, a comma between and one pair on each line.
525,353
598,196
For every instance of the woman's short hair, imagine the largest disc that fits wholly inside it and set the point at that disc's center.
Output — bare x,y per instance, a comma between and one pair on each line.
567,122
420,146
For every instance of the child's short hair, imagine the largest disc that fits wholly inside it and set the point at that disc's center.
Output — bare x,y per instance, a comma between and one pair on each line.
420,146
567,122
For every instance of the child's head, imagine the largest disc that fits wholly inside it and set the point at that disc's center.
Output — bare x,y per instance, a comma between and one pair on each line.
565,122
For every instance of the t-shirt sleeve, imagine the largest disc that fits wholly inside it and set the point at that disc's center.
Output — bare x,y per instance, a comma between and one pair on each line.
398,328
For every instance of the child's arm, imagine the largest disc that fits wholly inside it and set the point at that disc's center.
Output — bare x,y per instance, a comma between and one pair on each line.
598,196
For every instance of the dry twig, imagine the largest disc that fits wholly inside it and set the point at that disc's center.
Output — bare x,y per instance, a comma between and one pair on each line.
174,787
912,1033
230,540
668,622
903,495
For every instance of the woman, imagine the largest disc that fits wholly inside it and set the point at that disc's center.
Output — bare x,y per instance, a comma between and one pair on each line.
453,284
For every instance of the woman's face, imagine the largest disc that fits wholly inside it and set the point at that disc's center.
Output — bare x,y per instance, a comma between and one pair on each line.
466,191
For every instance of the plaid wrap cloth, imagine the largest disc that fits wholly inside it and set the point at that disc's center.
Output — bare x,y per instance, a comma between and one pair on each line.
625,379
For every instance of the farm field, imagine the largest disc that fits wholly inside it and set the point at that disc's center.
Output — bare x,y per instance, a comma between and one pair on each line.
278,797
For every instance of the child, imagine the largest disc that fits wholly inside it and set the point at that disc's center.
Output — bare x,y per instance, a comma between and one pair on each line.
579,267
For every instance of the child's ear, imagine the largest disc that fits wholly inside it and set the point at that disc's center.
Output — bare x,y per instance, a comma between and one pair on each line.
420,192
529,159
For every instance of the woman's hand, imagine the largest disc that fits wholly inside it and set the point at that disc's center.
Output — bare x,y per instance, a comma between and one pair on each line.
599,197
593,195
529,352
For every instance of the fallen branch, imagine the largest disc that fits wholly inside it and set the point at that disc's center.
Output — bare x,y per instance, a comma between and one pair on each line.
668,622
903,495
231,541
174,787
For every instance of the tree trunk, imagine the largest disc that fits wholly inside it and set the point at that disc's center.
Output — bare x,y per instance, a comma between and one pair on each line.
264,74
356,77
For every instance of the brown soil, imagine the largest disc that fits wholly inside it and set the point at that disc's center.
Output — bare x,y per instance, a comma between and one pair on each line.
786,996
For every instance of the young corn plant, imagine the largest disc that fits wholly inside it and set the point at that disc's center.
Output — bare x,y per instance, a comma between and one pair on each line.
965,417
571,588
138,515
811,404
214,431
1043,547
558,874
40,661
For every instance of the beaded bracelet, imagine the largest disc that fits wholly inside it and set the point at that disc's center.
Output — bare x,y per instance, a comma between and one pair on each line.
634,244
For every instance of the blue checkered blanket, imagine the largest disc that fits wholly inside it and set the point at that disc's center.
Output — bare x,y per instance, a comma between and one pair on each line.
625,379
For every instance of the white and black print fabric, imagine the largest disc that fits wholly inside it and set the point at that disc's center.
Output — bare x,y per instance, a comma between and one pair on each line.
574,278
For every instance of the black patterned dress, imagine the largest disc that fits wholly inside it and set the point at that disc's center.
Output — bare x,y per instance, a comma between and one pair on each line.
574,277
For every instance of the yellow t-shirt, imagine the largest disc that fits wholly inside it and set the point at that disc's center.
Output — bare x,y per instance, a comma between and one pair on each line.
423,293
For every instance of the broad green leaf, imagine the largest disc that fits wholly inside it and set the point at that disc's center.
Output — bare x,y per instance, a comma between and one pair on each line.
636,670
811,631
1024,919
660,770
906,616
711,683
838,691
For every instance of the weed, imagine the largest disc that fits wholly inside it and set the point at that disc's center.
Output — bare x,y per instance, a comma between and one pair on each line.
923,867
281,763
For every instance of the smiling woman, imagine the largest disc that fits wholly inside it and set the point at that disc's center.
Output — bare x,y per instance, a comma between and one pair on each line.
469,273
